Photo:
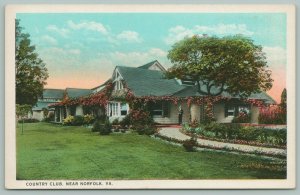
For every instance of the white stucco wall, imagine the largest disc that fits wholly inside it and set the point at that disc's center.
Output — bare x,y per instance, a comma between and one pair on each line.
39,115
195,112
219,112
254,114
79,110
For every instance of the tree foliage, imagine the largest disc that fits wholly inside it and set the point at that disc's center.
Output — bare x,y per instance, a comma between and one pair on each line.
31,73
22,110
283,98
233,64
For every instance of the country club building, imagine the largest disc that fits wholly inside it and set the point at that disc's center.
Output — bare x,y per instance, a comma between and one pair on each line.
148,81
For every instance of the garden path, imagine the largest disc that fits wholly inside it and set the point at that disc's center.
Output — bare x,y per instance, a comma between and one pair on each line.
174,132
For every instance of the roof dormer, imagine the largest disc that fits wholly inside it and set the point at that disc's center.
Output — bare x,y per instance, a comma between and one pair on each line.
154,65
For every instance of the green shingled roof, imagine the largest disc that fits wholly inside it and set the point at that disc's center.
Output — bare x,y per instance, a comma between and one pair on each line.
75,92
53,93
144,82
191,91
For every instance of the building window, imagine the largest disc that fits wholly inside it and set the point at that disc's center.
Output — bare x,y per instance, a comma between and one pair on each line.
157,109
160,109
235,109
188,82
244,109
230,110
124,109
116,109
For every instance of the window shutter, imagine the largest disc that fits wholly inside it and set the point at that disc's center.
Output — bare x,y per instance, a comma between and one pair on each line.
166,109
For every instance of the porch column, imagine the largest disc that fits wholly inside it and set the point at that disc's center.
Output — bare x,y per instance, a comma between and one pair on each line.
55,114
254,114
61,115
68,111
195,112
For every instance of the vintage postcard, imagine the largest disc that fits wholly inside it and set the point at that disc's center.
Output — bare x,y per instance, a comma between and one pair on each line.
150,97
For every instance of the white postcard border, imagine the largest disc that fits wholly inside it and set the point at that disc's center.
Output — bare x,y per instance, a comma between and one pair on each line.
10,134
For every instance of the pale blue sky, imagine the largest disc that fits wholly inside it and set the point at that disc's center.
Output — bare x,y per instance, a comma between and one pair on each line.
81,50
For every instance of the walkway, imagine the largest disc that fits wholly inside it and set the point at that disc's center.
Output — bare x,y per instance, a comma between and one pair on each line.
174,133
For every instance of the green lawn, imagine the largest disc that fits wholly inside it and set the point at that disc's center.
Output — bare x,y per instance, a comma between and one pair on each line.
48,151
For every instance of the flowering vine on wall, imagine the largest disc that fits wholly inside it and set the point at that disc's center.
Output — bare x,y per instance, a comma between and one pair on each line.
138,103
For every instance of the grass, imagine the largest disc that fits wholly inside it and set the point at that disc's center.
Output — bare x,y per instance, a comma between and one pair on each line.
49,151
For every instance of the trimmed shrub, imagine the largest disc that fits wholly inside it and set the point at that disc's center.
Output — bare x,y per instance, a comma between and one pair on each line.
49,118
189,145
141,122
115,122
240,134
140,117
125,123
106,129
78,120
68,120
88,119
145,130
28,120
96,126
249,133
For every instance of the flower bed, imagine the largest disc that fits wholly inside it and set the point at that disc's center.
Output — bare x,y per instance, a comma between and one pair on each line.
229,149
238,134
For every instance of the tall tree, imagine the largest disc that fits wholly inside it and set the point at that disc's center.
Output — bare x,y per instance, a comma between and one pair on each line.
233,64
31,73
283,98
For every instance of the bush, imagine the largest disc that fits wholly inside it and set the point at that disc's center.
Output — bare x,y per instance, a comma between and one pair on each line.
236,132
88,119
28,120
272,115
140,117
125,123
194,124
49,118
242,118
68,120
73,120
140,121
106,129
189,145
249,133
214,127
115,122
78,120
96,126
145,130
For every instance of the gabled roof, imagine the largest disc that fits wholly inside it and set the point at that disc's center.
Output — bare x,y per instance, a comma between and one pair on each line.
53,93
103,84
148,65
144,82
76,92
